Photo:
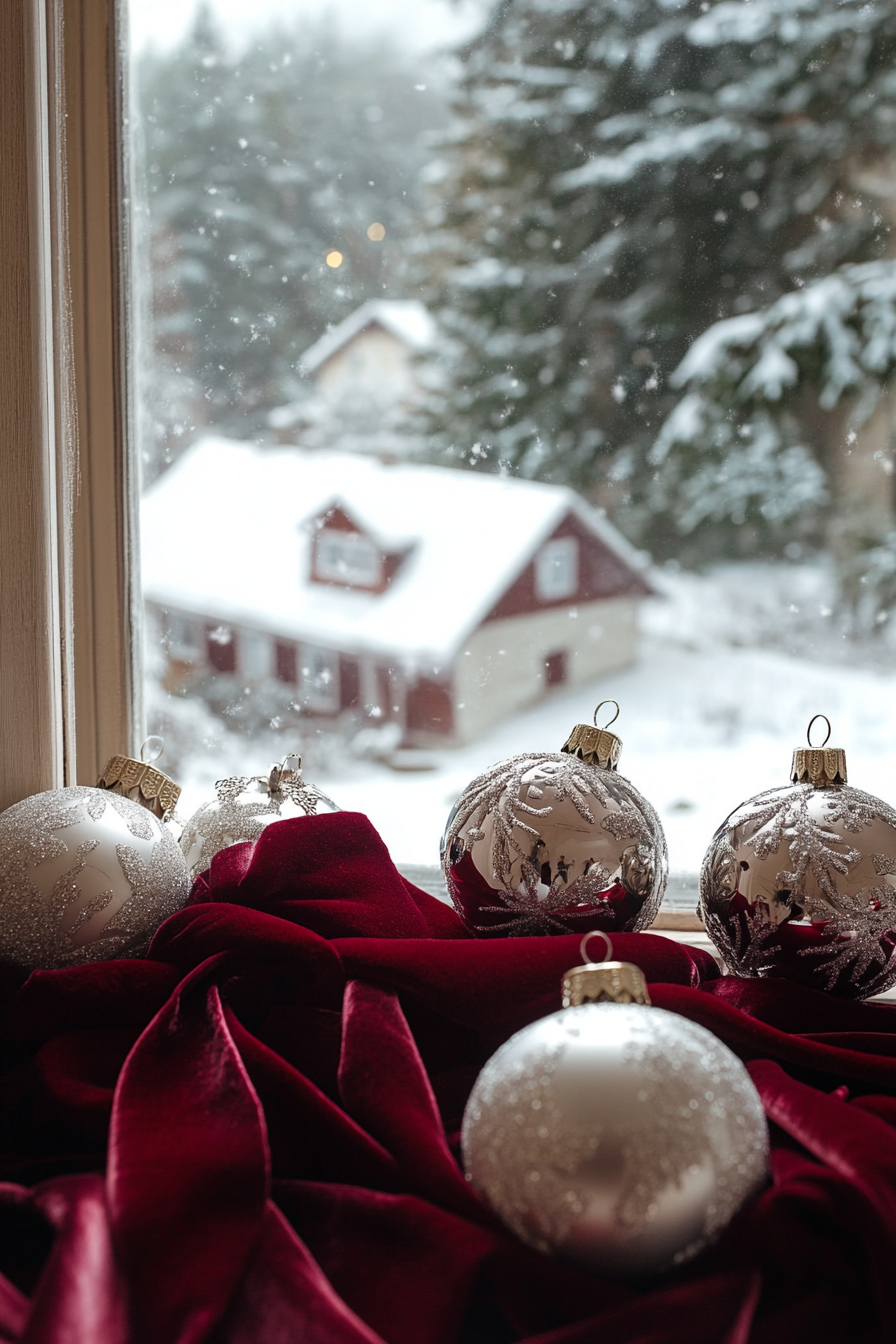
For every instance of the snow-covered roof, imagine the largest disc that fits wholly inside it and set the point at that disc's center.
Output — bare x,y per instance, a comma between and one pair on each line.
407,319
226,534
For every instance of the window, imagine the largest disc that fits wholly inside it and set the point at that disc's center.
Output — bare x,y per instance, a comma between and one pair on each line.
769,515
320,679
286,662
557,569
347,558
555,669
221,648
256,660
67,488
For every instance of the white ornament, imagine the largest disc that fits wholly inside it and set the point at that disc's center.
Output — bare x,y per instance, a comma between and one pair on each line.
621,1137
244,806
85,875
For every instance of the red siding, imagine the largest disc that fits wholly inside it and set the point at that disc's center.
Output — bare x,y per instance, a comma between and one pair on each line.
602,573
337,519
286,662
429,707
349,682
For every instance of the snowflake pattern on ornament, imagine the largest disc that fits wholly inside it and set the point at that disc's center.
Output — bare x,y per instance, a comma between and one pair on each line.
512,812
826,886
38,927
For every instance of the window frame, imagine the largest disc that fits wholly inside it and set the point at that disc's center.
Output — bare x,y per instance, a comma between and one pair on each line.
69,579
548,571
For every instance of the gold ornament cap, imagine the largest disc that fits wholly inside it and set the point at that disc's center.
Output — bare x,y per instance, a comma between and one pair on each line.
593,745
820,766
603,981
141,781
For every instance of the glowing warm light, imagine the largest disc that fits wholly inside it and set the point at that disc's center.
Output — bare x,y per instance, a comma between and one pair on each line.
334,259
376,233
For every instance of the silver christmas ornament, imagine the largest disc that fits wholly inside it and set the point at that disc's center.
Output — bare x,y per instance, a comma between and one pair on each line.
799,882
245,805
85,875
620,1136
549,842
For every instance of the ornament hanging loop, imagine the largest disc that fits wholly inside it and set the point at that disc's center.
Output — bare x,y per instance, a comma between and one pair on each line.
153,748
583,947
603,981
827,739
609,721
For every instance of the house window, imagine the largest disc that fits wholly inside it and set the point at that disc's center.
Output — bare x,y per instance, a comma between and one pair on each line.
556,670
557,569
349,558
220,648
256,655
286,662
320,679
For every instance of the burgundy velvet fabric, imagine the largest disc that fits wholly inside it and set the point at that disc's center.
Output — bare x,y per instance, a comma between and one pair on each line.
251,1136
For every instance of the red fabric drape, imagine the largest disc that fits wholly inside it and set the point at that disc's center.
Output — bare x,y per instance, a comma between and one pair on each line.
250,1137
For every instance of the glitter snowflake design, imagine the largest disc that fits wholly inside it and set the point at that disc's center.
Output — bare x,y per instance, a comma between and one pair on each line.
244,806
37,928
827,879
513,825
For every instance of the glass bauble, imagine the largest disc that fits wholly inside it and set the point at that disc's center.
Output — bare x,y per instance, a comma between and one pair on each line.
799,882
555,842
244,806
621,1137
85,875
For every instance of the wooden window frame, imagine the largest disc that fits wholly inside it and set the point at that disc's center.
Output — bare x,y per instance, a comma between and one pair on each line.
69,580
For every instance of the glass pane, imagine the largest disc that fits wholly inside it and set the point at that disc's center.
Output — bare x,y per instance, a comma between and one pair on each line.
495,360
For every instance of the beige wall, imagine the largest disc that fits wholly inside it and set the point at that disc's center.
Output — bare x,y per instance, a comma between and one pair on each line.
374,364
501,668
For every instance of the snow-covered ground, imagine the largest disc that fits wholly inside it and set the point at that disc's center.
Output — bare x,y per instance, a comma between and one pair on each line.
732,667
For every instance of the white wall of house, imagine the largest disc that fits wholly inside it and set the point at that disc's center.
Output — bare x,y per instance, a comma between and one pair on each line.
502,666
374,365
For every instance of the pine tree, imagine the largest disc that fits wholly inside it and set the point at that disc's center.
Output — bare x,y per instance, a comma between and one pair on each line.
257,166
620,176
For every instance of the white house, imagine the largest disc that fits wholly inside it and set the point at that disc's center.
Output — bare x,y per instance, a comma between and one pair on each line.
436,598
360,369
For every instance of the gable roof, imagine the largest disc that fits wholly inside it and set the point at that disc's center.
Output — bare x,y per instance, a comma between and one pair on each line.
406,319
226,534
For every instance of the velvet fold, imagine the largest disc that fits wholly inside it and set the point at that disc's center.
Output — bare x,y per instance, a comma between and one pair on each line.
251,1135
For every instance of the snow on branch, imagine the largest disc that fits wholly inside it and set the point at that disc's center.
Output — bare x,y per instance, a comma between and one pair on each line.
838,333
666,146
733,442
793,21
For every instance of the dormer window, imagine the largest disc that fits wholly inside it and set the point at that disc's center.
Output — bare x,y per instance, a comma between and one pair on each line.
349,558
557,569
